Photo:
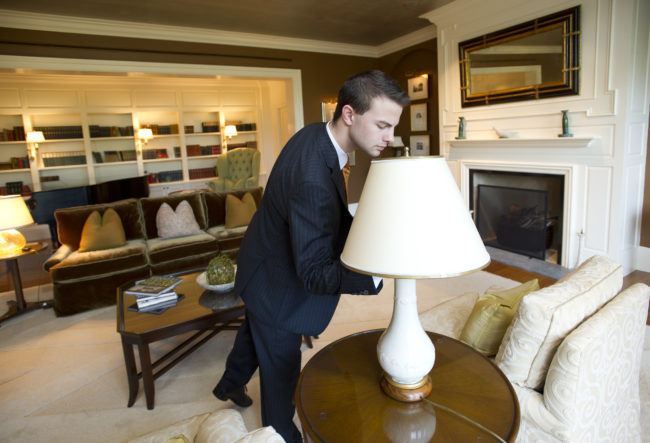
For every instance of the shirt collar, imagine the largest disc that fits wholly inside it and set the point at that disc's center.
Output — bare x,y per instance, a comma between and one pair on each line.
340,153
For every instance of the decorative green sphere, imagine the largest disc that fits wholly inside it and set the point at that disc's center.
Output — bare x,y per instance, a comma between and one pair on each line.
221,270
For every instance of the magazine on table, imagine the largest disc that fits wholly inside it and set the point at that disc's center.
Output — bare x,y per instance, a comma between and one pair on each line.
143,302
156,308
155,285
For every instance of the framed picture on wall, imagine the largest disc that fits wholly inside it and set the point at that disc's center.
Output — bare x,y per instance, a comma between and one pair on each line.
327,110
419,117
418,87
419,145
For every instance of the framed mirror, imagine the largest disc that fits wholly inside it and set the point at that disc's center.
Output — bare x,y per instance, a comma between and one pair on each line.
529,61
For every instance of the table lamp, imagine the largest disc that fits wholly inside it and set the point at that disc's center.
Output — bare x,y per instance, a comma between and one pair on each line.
15,215
411,223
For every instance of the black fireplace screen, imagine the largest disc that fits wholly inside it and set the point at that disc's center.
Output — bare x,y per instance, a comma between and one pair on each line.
514,219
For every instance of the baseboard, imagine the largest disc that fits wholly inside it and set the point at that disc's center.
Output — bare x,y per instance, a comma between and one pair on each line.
642,259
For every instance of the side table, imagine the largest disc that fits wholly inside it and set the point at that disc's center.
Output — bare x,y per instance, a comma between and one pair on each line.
199,310
20,306
339,399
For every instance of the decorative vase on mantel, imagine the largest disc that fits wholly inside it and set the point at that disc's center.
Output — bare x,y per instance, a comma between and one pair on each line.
565,124
461,128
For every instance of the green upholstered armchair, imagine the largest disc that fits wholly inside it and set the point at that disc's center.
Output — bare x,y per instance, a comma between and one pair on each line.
238,169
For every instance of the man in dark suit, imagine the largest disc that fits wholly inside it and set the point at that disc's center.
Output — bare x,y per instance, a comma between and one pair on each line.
289,271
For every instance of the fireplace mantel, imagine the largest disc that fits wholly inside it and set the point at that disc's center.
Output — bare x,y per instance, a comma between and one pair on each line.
556,142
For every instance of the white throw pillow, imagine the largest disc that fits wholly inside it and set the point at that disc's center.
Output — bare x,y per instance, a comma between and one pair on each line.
449,317
222,426
188,427
546,316
266,434
177,223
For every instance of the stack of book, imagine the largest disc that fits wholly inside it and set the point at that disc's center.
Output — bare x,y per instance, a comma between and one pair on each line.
155,293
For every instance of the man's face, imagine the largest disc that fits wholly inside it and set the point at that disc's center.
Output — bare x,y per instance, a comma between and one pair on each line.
374,129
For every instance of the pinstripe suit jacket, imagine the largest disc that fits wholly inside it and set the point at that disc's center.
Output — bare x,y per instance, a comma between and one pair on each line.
289,272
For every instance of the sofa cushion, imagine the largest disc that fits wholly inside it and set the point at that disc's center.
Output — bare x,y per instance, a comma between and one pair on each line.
70,221
215,204
151,205
176,223
546,316
188,427
102,231
239,212
92,264
449,317
222,426
167,249
491,316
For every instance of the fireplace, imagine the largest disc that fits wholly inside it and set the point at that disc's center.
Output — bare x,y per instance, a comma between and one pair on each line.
519,212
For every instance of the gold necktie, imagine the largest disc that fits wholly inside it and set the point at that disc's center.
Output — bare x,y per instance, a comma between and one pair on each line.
346,178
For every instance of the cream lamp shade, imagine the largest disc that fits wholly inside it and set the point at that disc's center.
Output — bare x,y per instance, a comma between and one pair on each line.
14,215
397,142
230,131
145,134
411,223
35,137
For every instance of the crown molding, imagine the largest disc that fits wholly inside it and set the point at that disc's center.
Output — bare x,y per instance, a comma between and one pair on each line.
90,26
406,41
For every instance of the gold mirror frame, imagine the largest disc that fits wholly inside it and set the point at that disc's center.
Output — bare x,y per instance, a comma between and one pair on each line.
528,81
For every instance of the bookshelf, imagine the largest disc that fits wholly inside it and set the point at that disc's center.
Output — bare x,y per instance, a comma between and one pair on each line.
90,131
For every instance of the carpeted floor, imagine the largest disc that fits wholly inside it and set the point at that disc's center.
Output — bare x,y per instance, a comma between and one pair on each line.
63,379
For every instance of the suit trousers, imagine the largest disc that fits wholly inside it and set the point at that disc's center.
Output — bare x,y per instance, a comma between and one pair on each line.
277,354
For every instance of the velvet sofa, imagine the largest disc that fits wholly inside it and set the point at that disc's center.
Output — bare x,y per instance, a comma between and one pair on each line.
88,280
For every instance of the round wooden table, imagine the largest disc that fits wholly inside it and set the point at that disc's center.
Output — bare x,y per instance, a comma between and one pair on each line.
339,399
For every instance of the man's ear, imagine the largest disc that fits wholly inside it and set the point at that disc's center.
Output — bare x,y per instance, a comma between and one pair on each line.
347,115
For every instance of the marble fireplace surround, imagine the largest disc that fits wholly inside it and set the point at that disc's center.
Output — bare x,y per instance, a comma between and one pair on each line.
571,238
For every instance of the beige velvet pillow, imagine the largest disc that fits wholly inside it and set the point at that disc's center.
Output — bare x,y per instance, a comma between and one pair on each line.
102,232
448,317
177,223
239,212
491,316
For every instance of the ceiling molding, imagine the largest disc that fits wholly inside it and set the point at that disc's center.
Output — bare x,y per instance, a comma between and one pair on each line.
91,26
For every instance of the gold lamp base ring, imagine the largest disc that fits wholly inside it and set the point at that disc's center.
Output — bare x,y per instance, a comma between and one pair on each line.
406,393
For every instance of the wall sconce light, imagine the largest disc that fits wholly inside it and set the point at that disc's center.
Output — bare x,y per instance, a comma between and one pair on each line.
34,137
230,131
144,135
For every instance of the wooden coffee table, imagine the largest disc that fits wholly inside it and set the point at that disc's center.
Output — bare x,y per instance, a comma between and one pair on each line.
200,310
339,399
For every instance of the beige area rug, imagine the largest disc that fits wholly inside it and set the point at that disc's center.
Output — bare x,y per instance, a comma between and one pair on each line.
63,379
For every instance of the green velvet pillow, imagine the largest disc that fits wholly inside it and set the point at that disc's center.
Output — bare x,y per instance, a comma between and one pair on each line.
102,232
239,212
491,316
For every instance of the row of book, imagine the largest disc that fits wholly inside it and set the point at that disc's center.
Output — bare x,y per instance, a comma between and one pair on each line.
155,294
11,135
64,158
114,156
198,173
60,132
246,126
166,176
15,163
154,153
110,131
25,190
196,150
162,129
210,126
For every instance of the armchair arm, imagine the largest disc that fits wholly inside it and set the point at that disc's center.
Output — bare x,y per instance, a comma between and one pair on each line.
57,257
217,185
536,419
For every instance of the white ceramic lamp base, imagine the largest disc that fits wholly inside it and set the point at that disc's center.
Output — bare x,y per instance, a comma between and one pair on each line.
405,351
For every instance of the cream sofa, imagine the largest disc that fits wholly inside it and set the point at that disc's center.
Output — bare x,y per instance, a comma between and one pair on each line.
572,353
221,426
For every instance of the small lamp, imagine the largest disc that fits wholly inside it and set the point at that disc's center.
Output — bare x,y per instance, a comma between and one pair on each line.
397,143
437,239
144,135
15,215
230,131
34,137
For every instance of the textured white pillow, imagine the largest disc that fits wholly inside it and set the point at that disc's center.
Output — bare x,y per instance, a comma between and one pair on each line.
266,434
546,316
177,223
222,426
188,427
449,317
